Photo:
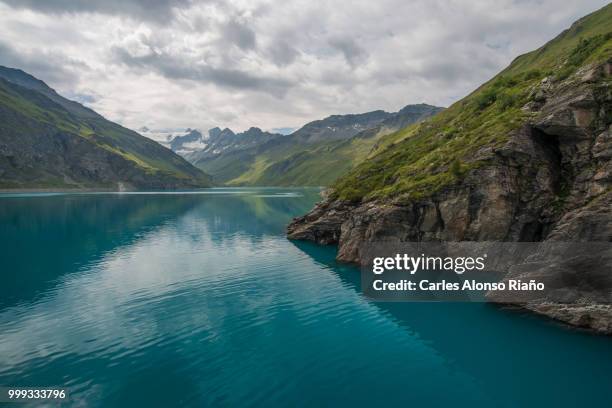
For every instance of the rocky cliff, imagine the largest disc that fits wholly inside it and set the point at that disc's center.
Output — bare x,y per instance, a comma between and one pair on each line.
526,157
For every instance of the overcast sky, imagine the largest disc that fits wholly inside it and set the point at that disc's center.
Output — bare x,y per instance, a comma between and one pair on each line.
271,64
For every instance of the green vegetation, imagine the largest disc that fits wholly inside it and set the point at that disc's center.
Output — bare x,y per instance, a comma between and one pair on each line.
584,50
434,154
310,165
287,163
36,107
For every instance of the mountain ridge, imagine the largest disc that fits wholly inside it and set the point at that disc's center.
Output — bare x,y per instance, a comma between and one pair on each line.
314,155
48,141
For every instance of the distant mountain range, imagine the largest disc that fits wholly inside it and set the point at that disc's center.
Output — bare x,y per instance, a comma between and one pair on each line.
218,141
315,154
48,141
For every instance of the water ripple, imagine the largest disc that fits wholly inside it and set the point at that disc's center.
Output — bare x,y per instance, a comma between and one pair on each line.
197,299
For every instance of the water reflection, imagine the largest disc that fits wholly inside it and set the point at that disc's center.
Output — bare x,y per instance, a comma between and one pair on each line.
198,299
45,236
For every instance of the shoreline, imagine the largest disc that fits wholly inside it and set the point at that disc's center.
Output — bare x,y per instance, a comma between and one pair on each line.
57,190
114,190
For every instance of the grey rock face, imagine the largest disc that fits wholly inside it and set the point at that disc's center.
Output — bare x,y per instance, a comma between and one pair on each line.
552,180
181,143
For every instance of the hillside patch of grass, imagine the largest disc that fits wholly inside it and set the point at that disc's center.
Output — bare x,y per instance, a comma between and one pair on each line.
425,158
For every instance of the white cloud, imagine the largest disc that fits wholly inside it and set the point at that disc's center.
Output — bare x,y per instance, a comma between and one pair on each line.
179,64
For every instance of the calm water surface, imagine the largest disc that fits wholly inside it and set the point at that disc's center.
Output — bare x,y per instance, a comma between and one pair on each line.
197,299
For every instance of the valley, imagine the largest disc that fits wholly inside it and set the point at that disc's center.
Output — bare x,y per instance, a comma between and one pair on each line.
314,155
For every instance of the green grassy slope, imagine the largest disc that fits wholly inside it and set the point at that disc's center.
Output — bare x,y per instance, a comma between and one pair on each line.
37,122
426,157
316,165
287,163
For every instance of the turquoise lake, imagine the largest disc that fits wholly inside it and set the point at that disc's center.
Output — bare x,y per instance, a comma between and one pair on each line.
198,299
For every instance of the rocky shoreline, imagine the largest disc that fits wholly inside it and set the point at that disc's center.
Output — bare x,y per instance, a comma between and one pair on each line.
551,181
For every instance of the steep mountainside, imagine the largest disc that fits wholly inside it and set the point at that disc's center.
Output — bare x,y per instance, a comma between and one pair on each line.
314,155
47,141
525,157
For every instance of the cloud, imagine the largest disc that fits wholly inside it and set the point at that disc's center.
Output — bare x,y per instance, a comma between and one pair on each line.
52,67
153,10
353,52
266,63
173,67
239,34
281,53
